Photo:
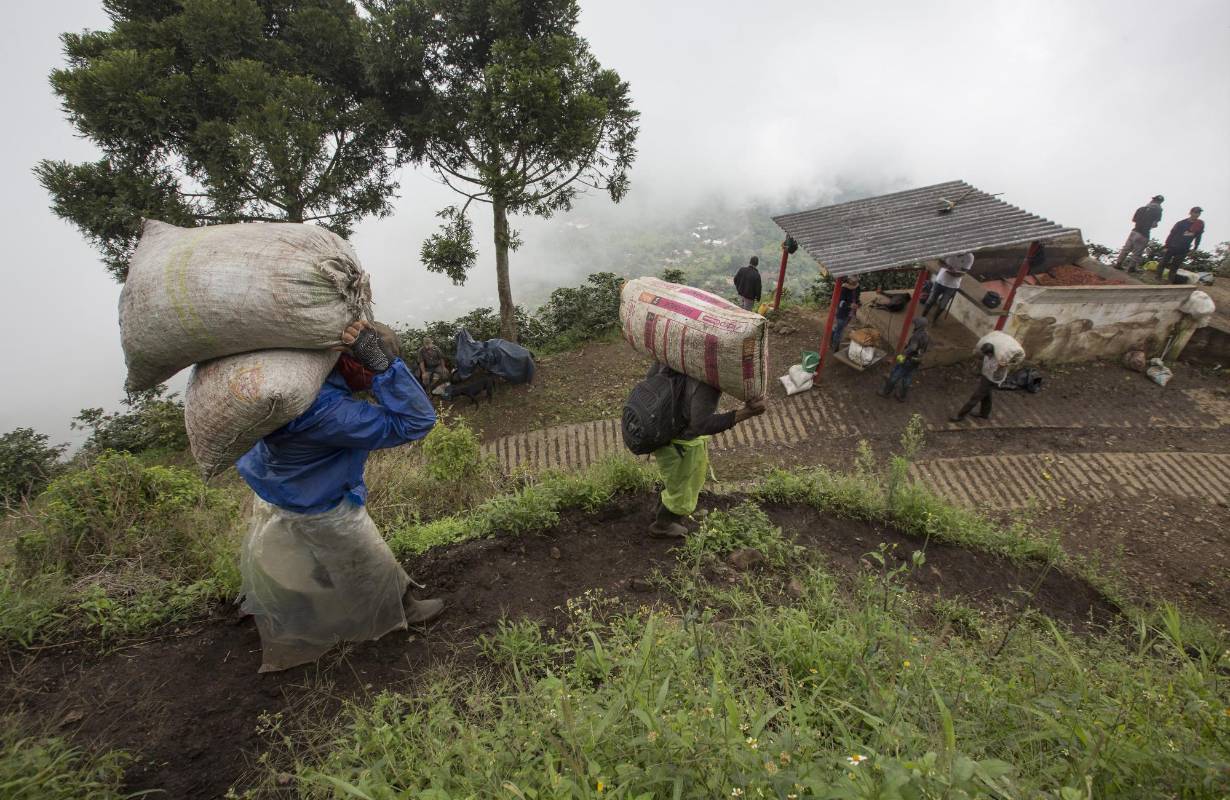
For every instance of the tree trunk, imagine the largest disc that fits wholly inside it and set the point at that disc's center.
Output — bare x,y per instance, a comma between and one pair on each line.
508,319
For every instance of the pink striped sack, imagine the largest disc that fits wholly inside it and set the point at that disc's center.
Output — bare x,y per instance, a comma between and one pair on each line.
698,334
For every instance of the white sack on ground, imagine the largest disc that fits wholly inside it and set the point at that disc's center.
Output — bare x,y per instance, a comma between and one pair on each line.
313,580
698,334
194,294
234,401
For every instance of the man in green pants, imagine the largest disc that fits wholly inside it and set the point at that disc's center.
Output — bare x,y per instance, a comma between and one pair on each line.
684,462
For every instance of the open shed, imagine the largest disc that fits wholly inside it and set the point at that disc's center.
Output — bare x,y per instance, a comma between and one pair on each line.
1064,306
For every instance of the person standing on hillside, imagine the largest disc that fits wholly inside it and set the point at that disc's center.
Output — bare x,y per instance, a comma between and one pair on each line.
1183,237
992,374
1143,221
947,281
684,463
847,307
747,285
908,361
315,569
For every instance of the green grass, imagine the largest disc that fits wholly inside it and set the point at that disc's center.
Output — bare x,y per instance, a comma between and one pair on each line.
48,768
836,696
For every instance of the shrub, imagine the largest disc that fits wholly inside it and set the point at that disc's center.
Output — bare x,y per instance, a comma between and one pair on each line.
27,463
155,422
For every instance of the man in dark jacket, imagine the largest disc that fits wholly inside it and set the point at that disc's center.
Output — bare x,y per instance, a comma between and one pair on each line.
315,569
747,285
908,361
1143,221
847,306
1183,237
684,462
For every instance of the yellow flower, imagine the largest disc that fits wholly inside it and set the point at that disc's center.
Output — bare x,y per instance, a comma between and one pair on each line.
601,787
905,664
812,670
855,760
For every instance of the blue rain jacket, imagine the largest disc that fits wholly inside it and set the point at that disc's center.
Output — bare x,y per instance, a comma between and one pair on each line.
315,461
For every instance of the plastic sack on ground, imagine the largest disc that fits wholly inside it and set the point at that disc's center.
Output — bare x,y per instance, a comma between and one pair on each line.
1199,305
1158,372
698,334
501,358
861,354
234,401
796,380
313,580
1008,351
194,294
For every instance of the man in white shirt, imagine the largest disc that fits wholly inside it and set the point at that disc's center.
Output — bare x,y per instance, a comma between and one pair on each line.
991,374
947,281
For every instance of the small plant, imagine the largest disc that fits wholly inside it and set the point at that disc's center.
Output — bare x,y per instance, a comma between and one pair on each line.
49,768
744,526
154,421
27,463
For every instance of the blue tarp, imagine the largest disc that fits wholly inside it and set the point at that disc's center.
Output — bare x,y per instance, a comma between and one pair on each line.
512,362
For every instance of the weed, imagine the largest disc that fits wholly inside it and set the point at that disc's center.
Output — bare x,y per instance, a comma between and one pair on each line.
48,768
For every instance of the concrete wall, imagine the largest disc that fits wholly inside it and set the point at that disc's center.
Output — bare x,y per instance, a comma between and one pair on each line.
1082,323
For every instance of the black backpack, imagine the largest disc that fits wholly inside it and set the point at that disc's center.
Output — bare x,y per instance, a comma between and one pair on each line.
653,414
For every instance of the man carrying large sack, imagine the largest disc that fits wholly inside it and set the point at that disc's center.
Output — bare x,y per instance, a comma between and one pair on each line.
315,568
684,463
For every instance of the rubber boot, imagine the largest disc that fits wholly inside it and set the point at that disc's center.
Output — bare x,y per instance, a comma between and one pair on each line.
666,525
885,390
422,612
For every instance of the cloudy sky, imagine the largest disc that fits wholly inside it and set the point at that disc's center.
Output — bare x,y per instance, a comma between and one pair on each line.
1075,110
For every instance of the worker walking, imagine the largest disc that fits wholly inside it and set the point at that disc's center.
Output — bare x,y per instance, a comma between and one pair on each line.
908,361
747,285
1185,235
684,463
991,375
1143,221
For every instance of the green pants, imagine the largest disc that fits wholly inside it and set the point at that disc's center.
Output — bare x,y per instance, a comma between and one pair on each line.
684,464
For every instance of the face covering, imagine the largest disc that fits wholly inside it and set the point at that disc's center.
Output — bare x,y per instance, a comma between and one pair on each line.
358,377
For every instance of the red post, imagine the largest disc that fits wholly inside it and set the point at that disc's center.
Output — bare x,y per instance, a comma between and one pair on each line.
911,308
1016,284
781,277
828,325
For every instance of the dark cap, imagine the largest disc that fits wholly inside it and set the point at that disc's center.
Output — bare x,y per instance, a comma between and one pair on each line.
1157,198
1196,209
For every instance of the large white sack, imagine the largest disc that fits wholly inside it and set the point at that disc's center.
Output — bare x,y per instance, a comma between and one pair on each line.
698,334
193,294
1008,351
233,402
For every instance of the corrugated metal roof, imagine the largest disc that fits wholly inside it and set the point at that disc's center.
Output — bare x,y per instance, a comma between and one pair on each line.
903,228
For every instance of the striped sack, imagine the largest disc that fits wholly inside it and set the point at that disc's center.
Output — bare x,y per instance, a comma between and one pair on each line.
698,334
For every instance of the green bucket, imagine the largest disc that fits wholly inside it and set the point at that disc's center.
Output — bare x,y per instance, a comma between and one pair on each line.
811,360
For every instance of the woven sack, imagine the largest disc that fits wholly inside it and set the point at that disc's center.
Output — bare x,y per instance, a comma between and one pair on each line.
233,402
194,294
868,337
698,334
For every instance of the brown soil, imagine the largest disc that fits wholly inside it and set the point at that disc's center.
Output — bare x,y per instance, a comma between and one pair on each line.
189,702
1072,275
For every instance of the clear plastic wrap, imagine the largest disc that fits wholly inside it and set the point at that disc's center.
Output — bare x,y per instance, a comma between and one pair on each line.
314,580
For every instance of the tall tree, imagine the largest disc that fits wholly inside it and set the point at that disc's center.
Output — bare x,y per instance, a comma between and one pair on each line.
521,116
212,111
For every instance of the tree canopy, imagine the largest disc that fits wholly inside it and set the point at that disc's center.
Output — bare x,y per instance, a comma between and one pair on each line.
519,115
214,111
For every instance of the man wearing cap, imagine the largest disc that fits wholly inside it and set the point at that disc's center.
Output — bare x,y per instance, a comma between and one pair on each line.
1183,237
747,284
1143,221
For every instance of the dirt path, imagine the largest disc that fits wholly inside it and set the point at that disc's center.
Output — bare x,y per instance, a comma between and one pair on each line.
190,704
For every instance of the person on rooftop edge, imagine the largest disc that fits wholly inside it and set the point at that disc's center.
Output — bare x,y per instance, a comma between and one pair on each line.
313,547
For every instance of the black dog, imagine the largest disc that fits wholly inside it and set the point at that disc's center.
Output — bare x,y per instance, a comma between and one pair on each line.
472,387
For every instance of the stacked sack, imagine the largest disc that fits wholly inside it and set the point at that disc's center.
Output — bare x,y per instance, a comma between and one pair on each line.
255,307
696,333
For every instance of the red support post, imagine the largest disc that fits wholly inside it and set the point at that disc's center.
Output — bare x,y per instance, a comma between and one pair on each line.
1016,284
911,308
828,325
781,277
